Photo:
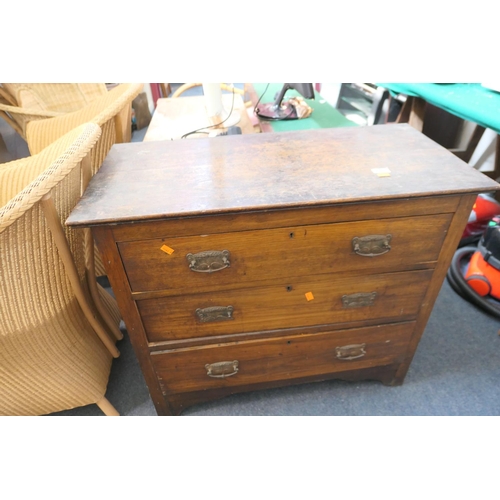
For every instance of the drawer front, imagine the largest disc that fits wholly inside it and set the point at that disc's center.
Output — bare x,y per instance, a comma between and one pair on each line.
281,358
198,263
297,303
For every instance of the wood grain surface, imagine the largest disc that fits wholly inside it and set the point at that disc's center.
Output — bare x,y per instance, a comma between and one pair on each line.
152,180
285,252
266,219
283,358
285,305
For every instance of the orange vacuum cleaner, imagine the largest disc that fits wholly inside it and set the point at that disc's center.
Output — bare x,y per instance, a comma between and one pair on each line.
483,273
478,281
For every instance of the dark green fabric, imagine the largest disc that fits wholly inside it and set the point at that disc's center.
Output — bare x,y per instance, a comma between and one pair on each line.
323,116
470,101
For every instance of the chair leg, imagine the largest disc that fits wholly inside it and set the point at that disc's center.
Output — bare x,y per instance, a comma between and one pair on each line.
107,408
52,218
90,260
94,292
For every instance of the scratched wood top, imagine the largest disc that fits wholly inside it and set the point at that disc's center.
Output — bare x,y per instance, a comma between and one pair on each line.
153,180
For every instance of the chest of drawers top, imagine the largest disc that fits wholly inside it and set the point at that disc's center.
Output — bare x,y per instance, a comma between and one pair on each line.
257,172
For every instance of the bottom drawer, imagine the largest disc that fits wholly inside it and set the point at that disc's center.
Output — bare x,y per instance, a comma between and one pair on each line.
280,358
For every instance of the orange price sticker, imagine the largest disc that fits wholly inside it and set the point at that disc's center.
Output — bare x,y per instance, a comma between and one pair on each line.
167,249
309,296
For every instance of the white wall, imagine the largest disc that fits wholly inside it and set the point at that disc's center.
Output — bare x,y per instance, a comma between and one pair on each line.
149,95
483,158
330,92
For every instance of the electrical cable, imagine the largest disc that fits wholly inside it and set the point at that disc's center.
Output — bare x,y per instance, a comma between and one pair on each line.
261,96
202,129
457,281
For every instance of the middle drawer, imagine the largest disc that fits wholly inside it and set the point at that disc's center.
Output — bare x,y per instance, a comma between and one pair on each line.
239,258
317,300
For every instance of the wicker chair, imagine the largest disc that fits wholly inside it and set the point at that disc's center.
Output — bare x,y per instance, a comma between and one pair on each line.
21,103
112,112
58,328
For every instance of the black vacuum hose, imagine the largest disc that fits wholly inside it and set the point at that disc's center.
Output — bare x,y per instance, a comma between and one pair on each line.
457,281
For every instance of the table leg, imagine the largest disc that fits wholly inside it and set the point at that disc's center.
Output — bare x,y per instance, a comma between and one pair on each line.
413,112
417,113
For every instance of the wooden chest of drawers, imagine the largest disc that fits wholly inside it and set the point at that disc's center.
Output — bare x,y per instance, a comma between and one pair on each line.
254,261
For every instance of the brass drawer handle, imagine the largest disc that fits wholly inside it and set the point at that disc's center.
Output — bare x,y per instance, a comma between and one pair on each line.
215,313
372,245
222,369
348,352
208,262
358,300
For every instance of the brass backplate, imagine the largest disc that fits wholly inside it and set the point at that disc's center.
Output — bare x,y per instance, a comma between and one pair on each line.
222,369
215,313
361,299
209,261
348,352
372,245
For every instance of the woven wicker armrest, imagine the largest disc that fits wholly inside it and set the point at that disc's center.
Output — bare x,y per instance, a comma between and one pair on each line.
18,117
14,178
6,97
37,101
64,97
40,134
36,114
24,182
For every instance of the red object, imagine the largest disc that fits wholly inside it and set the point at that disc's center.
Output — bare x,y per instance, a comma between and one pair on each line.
155,92
483,211
482,277
478,276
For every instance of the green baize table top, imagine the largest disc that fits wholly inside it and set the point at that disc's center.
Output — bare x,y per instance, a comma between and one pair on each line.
469,101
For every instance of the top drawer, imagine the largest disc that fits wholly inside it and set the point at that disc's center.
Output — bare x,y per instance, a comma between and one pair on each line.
214,260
